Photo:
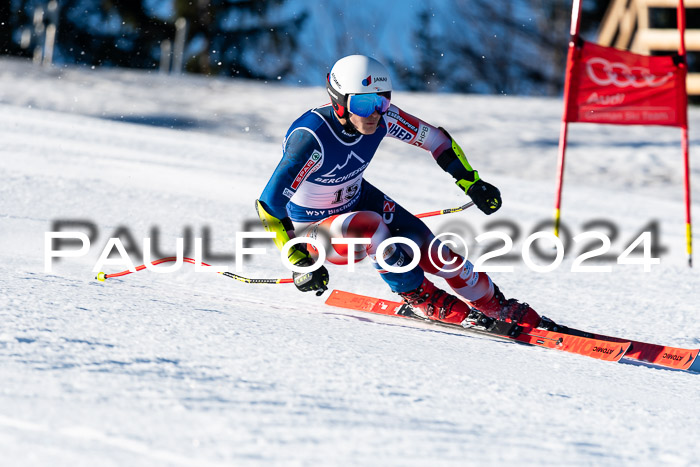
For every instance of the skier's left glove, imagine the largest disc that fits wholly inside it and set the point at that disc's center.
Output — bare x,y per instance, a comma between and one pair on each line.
453,161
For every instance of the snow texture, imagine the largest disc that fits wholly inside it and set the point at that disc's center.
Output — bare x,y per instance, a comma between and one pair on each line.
193,368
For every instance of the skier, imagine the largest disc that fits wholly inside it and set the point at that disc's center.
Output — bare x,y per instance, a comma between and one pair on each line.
320,181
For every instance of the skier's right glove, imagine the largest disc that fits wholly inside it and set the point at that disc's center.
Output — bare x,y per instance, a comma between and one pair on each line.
298,255
311,281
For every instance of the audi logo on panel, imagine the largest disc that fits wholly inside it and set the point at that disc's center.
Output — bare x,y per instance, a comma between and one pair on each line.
604,73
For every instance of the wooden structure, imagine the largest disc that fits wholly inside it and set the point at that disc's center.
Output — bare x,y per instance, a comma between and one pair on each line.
626,26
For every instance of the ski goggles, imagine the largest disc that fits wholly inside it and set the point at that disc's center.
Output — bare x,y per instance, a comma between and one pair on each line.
364,105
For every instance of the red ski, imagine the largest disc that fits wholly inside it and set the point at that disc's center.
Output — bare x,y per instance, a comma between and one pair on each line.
671,357
596,348
590,344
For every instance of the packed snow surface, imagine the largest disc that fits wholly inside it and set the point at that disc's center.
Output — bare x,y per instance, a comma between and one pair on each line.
193,368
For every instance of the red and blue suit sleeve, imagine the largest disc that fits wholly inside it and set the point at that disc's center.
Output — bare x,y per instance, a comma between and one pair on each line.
414,131
298,148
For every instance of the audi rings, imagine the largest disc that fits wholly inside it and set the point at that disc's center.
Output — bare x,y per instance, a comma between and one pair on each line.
604,73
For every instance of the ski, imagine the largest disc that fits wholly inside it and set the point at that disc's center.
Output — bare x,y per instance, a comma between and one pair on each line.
662,355
654,354
591,347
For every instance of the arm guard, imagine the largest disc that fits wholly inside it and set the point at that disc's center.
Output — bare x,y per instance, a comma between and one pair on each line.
454,161
280,228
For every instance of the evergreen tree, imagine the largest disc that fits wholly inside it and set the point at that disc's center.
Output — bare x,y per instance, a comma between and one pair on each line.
109,33
491,47
239,38
227,37
424,74
7,29
15,16
479,46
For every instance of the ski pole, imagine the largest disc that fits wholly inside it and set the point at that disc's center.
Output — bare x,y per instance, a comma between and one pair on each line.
102,276
446,211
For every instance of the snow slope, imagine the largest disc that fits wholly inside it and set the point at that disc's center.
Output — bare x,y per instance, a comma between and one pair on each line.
196,369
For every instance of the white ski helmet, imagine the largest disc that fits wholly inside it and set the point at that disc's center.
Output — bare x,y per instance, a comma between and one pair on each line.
355,74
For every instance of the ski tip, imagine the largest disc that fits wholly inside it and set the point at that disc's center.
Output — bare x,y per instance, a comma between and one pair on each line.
101,277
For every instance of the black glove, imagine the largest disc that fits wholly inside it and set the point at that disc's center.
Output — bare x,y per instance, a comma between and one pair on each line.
309,281
486,196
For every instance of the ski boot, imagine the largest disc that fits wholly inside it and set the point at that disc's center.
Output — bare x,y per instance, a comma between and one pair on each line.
435,303
510,311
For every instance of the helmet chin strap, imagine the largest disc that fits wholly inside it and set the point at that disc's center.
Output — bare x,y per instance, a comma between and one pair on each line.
348,126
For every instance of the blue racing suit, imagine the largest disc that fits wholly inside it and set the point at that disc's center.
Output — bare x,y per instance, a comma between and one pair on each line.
321,174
